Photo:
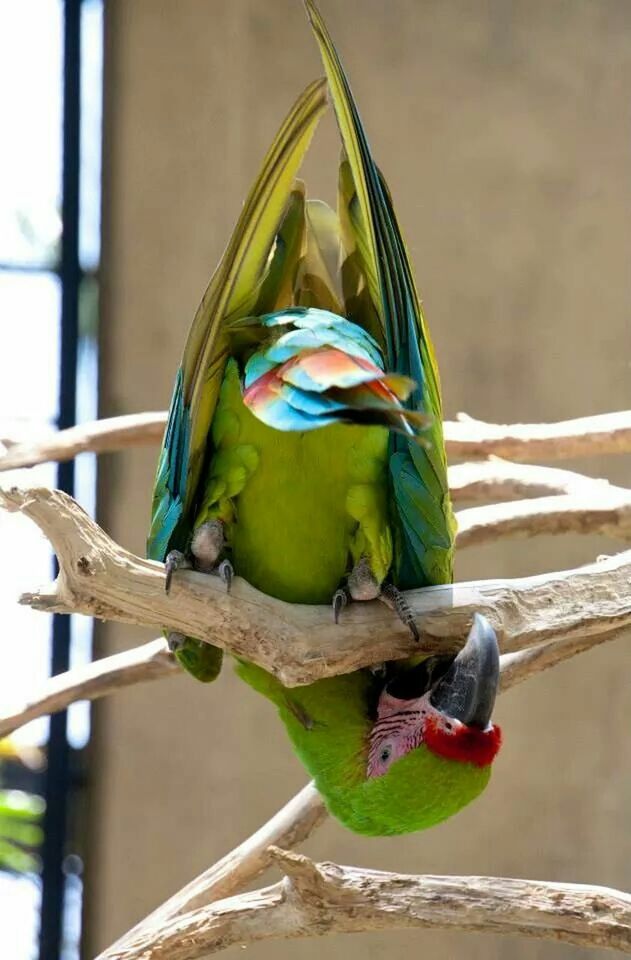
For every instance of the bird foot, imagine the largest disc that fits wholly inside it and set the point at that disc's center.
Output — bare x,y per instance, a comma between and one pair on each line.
175,641
175,560
394,599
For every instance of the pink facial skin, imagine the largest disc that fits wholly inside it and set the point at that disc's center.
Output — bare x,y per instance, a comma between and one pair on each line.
403,725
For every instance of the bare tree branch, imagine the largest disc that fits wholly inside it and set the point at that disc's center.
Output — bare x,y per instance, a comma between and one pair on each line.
495,480
300,643
151,661
466,439
319,898
523,664
606,510
96,436
469,439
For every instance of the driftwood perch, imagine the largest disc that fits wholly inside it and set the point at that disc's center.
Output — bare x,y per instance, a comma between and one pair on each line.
314,899
300,643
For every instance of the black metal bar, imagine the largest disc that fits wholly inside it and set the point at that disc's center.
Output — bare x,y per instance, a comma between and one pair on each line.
57,782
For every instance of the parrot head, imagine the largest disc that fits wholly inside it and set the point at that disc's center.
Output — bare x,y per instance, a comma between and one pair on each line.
400,757
452,718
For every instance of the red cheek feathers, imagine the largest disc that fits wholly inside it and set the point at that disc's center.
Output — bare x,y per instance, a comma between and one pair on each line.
466,744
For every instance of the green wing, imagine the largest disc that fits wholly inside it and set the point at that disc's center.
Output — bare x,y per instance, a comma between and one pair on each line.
424,526
244,275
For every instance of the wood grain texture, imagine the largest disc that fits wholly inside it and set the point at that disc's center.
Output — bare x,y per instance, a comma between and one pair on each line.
315,899
300,643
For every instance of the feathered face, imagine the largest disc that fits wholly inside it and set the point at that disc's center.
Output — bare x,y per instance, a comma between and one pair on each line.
452,719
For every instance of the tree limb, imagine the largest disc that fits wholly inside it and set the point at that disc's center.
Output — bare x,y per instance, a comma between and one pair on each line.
605,510
300,643
151,661
523,664
319,898
495,480
469,439
466,438
96,436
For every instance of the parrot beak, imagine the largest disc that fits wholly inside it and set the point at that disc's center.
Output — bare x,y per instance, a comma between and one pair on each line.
467,691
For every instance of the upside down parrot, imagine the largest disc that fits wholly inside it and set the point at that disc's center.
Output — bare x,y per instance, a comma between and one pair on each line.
304,452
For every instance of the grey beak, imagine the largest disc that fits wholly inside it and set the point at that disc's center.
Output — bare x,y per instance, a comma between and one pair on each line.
467,691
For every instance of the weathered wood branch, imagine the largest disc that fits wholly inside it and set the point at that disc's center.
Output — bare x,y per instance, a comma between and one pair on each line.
496,480
466,439
319,898
96,436
469,439
151,661
606,511
523,664
300,643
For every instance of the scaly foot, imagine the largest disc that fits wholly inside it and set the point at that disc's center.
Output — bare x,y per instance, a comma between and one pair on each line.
394,599
207,543
363,585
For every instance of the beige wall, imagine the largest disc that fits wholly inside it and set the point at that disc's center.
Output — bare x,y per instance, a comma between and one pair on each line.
503,127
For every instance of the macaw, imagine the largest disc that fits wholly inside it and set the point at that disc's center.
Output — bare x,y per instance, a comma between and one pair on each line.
304,451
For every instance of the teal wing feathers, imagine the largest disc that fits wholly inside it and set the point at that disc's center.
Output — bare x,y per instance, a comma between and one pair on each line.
423,522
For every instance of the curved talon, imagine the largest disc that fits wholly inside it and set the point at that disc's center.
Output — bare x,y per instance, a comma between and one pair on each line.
175,641
225,570
394,599
340,600
175,560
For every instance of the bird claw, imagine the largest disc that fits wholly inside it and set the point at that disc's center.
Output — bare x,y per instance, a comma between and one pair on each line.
340,600
175,641
225,571
175,560
394,599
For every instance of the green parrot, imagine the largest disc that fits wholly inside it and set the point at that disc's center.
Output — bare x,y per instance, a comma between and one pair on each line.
304,451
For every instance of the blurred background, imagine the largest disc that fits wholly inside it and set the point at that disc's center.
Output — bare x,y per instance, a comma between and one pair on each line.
503,127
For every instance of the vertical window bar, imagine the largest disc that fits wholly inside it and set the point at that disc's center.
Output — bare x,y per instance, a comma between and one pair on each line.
57,781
